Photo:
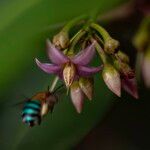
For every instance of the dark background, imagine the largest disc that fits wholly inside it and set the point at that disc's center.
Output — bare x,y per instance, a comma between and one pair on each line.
106,123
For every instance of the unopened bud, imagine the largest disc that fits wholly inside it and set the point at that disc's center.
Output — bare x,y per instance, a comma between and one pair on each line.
146,68
111,45
69,72
124,69
61,40
130,86
77,96
122,56
86,85
112,79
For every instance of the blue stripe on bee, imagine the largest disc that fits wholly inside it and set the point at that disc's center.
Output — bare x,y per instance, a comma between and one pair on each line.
28,107
31,112
28,110
29,118
33,105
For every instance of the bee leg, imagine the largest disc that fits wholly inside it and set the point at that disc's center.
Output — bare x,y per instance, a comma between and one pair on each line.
51,109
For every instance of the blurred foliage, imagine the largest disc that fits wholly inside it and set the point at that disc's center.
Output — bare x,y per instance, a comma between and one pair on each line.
24,27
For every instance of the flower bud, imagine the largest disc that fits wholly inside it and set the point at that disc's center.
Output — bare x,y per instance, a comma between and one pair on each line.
61,40
122,56
128,81
110,45
112,79
130,86
126,70
69,72
146,68
77,96
86,84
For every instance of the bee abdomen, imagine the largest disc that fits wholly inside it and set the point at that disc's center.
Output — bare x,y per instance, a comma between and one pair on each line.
31,112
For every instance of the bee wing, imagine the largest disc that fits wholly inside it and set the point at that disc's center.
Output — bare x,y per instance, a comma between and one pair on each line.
55,96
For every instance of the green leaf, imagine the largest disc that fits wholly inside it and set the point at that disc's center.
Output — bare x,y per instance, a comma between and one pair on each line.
24,27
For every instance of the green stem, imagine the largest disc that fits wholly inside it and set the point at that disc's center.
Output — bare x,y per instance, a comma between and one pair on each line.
100,52
76,39
101,30
73,22
80,34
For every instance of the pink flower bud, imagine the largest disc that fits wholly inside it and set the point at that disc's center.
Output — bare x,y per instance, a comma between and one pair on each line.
128,81
130,86
112,79
86,84
61,40
77,96
69,72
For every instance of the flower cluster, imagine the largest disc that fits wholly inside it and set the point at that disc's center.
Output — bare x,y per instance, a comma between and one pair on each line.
70,59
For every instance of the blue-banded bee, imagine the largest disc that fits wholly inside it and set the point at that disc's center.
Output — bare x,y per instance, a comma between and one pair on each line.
38,106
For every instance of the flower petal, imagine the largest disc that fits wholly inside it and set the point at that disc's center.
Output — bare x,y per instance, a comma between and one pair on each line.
130,86
87,85
87,71
85,56
77,96
55,55
48,68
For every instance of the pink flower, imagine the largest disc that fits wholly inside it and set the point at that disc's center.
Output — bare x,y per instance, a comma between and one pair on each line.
67,67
